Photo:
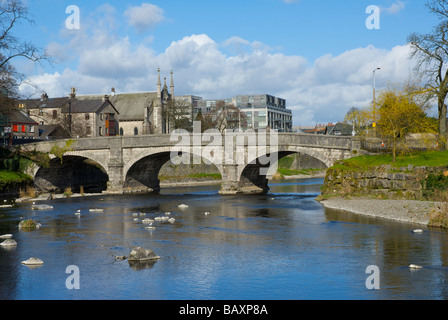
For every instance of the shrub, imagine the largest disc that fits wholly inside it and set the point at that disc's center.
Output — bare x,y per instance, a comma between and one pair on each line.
434,185
68,192
28,192
27,225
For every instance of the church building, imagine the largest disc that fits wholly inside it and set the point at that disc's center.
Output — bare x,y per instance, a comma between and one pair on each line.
142,112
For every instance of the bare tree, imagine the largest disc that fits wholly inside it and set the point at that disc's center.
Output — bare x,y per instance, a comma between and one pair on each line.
13,13
229,117
178,114
207,121
431,51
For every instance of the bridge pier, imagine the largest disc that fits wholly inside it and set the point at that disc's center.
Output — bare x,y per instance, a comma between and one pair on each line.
115,183
250,182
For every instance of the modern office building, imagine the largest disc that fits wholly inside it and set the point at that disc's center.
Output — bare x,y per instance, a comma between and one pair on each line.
264,110
260,111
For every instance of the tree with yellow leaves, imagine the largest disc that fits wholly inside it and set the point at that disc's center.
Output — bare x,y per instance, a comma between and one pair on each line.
400,113
359,118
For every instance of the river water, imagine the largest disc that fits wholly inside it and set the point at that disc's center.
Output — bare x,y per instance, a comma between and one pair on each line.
280,246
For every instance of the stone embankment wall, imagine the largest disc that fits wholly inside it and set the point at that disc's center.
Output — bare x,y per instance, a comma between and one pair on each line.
182,170
383,182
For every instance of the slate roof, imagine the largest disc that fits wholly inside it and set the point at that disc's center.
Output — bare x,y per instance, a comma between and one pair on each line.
341,128
42,104
95,104
52,131
18,116
131,106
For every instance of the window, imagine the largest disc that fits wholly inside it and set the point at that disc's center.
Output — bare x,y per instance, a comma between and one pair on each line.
101,116
41,112
55,114
31,129
87,116
100,131
121,132
135,131
88,130
23,128
15,128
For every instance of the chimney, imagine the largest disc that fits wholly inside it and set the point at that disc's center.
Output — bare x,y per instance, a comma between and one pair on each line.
72,94
43,97
105,98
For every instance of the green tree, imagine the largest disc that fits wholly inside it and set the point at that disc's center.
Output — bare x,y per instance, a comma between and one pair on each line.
401,114
358,118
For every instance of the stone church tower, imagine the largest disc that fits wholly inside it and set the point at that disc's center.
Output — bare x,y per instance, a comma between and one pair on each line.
159,121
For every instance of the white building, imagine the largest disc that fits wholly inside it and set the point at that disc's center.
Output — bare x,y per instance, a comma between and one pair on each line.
261,111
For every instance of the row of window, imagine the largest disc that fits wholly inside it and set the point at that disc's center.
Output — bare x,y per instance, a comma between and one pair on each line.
109,116
135,131
22,128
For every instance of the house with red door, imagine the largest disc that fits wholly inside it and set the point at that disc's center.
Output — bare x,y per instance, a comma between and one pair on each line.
81,118
17,127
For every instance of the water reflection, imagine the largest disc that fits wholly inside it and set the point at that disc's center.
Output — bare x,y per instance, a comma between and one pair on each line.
282,245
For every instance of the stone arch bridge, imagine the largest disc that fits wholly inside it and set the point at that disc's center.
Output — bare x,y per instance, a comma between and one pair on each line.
132,163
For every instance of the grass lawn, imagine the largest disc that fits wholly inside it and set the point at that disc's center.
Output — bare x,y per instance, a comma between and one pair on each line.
428,158
11,177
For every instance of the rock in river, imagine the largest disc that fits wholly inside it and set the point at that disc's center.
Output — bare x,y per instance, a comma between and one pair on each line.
41,207
33,262
8,243
140,254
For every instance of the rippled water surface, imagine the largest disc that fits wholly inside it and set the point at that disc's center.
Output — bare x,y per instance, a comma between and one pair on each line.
282,245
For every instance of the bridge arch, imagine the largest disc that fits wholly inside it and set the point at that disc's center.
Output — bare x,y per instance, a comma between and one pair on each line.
254,177
141,173
77,172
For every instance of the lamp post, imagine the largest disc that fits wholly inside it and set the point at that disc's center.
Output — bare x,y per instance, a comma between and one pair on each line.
374,102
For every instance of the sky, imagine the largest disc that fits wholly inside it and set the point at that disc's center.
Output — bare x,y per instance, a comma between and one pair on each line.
318,55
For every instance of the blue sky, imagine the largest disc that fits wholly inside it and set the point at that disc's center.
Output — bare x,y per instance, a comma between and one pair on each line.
318,55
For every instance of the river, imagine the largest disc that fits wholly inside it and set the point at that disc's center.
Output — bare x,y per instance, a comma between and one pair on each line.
280,246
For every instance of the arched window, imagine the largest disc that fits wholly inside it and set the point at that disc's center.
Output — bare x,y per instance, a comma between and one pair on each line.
121,132
135,131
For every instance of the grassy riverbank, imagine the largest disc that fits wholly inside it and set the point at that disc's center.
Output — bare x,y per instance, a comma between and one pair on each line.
412,189
12,176
427,159
11,179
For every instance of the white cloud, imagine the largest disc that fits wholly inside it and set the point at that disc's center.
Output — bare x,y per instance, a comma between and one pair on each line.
144,17
395,8
318,91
